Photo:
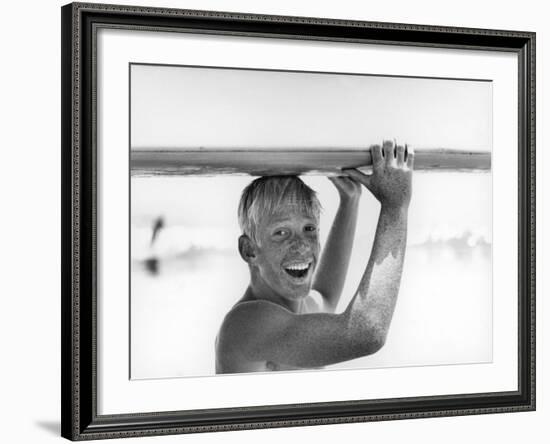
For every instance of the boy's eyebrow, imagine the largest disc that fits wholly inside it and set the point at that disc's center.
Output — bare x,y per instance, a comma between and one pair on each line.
279,219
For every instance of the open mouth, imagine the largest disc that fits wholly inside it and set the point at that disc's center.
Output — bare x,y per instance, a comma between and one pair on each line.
298,270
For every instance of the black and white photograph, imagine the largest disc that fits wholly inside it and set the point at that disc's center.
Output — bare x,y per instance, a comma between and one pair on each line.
276,220
307,221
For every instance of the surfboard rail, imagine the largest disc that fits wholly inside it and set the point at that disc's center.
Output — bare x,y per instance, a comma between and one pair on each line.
299,161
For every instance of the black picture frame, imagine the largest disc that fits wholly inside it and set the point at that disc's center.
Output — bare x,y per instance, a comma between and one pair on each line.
80,420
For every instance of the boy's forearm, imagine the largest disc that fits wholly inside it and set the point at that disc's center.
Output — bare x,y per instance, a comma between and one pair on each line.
333,266
370,311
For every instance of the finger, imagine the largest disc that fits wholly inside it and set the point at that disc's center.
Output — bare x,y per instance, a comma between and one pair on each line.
352,185
359,176
353,173
388,148
410,156
400,150
346,182
376,154
339,181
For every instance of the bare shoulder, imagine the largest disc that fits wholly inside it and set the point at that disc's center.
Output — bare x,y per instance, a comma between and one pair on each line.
245,325
260,318
254,324
247,317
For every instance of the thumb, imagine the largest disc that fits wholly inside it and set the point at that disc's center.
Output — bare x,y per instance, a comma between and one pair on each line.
360,177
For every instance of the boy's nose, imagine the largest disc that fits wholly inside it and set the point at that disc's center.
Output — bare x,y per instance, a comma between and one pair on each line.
300,245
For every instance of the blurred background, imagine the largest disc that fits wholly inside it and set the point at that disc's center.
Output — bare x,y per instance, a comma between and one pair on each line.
184,283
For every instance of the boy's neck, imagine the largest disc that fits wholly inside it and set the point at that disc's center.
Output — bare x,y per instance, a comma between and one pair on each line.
258,290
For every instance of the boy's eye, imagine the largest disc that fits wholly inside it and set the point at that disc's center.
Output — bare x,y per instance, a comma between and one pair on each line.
281,232
310,228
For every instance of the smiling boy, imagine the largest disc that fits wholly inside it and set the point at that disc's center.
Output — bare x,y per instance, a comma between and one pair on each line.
278,324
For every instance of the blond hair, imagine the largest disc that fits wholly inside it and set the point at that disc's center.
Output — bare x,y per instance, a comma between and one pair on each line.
265,195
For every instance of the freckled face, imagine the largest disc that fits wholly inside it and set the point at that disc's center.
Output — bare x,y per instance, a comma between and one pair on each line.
288,251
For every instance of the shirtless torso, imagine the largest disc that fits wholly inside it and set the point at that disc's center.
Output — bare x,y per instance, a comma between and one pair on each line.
233,361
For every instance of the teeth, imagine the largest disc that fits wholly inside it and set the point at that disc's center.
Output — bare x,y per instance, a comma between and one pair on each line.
298,267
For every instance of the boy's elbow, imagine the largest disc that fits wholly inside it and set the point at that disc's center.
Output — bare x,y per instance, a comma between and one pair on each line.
376,342
369,343
367,337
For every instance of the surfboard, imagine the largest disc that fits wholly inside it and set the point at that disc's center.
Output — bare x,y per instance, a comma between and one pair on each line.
299,161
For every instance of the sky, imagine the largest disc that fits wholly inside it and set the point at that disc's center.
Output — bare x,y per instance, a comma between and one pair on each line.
190,107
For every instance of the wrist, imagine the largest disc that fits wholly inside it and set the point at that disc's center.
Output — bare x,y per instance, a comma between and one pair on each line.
349,199
395,210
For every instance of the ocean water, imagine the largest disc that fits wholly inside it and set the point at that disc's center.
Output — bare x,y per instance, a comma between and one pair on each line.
177,310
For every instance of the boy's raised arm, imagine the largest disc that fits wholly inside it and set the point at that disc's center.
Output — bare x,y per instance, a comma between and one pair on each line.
391,184
264,331
333,266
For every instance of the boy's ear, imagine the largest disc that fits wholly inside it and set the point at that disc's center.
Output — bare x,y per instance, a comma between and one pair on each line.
247,248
